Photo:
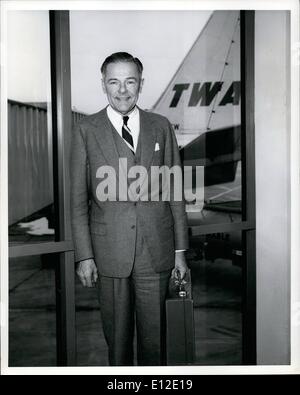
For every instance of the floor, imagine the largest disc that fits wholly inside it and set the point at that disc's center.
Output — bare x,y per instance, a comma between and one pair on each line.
217,314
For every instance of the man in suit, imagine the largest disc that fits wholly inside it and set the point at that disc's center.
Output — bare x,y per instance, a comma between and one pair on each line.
127,245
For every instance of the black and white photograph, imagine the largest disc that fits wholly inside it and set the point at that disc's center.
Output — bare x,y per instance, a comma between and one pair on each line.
150,188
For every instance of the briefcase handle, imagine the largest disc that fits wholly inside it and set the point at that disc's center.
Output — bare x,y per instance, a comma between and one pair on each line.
182,293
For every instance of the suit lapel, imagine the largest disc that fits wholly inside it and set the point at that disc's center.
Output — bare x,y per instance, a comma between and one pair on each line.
147,139
103,134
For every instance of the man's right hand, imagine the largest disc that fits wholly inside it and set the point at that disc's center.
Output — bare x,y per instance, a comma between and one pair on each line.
87,273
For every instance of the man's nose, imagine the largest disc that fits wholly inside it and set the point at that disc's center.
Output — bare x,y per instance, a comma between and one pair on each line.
122,87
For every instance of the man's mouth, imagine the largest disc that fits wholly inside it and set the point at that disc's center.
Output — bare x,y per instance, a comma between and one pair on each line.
123,98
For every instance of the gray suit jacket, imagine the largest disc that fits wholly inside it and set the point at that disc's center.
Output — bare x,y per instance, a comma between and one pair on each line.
107,230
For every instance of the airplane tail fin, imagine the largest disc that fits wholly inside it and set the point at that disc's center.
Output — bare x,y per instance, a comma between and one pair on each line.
204,93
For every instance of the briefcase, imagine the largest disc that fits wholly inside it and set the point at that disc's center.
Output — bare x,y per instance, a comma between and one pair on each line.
180,342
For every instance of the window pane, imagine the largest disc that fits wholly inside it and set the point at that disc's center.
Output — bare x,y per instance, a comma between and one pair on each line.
216,270
32,311
31,213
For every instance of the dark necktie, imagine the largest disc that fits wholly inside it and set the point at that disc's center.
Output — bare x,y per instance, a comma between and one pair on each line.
126,134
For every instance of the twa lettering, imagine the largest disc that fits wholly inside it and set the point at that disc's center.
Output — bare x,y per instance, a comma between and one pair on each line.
204,94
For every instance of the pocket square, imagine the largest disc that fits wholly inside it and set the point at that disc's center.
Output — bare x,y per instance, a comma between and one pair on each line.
156,147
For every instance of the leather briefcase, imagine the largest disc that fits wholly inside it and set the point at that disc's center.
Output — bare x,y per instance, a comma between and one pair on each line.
180,342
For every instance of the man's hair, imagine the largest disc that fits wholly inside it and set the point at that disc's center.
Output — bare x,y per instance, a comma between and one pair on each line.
121,57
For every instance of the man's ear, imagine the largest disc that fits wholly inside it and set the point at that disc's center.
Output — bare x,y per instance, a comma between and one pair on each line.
103,86
141,85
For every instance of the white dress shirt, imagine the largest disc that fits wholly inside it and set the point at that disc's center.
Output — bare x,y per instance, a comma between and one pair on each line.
133,123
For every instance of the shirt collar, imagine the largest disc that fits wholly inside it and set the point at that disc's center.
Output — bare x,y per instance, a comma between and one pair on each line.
116,116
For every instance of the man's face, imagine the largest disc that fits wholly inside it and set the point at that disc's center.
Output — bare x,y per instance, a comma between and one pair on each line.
122,84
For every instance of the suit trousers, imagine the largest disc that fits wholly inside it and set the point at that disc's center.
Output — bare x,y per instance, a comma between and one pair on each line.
139,298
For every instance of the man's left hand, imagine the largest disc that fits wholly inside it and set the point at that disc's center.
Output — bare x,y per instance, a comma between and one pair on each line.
180,264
